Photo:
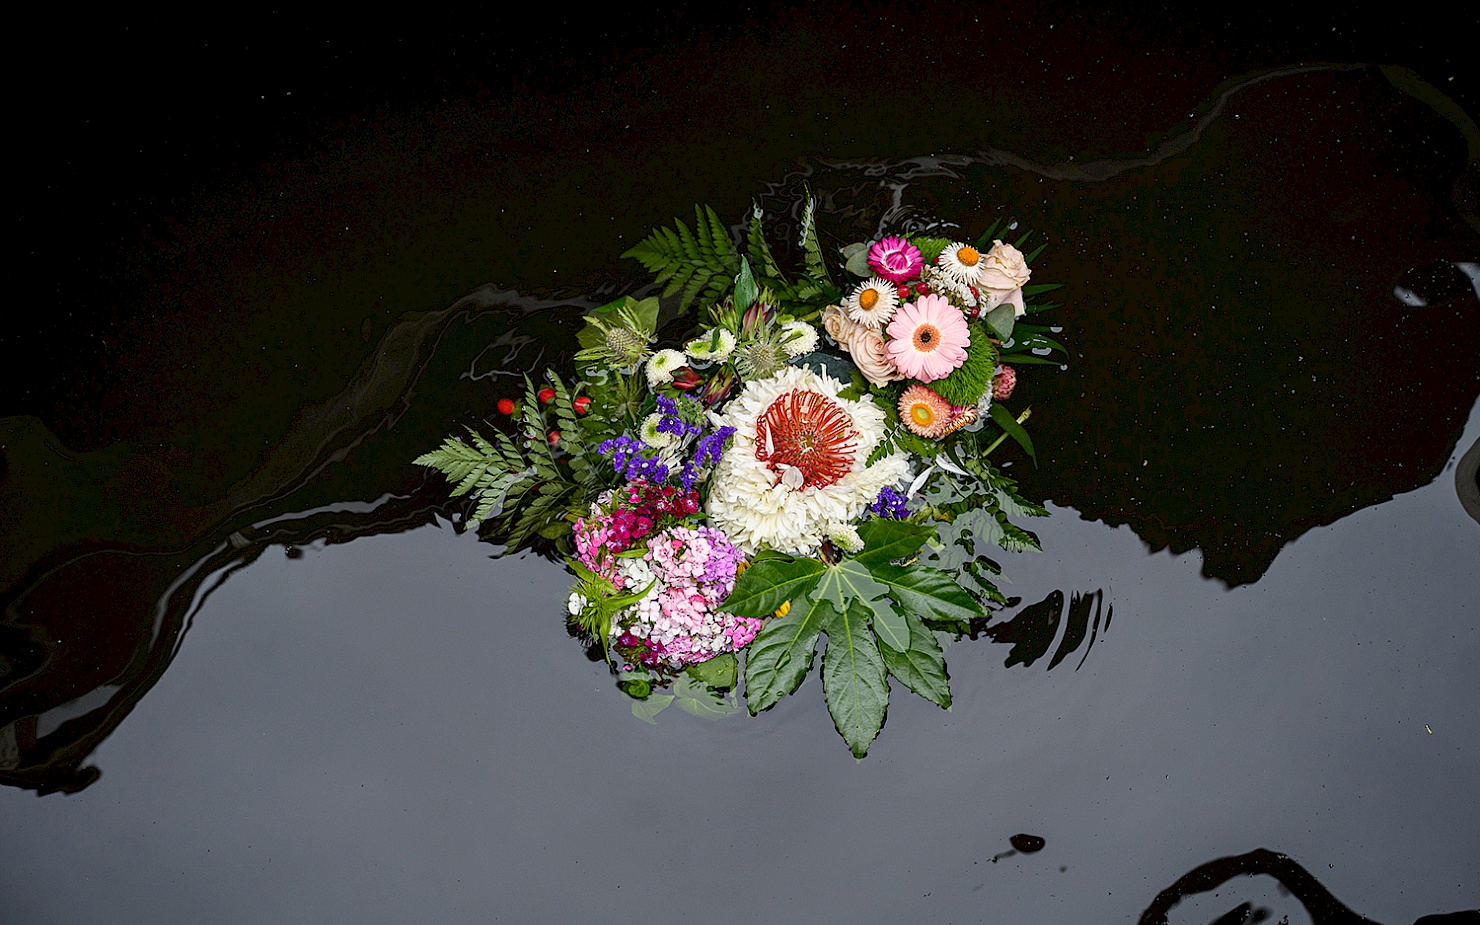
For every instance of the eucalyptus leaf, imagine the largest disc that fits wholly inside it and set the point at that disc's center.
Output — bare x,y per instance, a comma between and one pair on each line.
1001,319
858,261
853,679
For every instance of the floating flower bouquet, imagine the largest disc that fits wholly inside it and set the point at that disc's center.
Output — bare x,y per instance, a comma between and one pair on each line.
810,459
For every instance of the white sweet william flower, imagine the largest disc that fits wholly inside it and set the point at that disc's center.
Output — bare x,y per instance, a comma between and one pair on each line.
662,365
714,346
798,338
576,603
796,466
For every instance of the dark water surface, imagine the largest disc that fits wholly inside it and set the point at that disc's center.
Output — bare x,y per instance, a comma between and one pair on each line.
256,674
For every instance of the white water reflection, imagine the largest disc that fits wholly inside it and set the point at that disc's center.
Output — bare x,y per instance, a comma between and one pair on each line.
400,729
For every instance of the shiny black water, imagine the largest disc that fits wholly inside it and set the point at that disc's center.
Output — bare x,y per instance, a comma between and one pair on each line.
261,677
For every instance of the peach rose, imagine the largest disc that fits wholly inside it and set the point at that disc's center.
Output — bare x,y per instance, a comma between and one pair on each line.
866,345
1001,276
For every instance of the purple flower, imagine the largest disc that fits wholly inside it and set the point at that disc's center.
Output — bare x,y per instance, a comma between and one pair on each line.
890,504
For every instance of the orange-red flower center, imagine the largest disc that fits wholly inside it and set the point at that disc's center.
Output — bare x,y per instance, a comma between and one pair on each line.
926,338
809,432
867,299
968,256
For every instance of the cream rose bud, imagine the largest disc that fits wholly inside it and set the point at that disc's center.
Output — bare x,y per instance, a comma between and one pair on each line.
866,346
836,323
1003,273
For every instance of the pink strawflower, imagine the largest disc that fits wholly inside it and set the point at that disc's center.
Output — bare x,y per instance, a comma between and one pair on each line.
928,338
896,259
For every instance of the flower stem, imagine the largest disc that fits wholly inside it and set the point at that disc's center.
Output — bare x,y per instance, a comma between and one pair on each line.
1003,436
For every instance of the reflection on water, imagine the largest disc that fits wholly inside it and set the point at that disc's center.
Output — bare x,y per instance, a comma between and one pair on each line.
1273,335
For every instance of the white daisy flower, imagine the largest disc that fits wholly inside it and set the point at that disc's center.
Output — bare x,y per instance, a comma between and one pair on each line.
662,365
963,262
798,338
872,303
715,346
797,465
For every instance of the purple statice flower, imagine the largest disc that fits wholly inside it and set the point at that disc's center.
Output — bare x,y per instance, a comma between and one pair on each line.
628,459
890,504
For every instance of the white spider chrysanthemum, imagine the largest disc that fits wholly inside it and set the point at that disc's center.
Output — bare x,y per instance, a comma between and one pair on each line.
963,262
872,303
798,337
715,346
796,467
661,366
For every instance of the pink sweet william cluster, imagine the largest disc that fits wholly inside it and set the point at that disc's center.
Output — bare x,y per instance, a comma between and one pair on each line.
624,518
678,623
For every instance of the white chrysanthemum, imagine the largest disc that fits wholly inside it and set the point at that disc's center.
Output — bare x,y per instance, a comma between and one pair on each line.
715,346
845,537
963,262
798,337
769,503
649,433
872,303
662,365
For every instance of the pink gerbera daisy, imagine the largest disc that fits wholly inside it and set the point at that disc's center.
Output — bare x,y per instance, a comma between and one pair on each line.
928,338
896,259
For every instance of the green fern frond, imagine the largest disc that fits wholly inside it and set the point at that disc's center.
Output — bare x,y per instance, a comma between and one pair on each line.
692,263
811,247
759,251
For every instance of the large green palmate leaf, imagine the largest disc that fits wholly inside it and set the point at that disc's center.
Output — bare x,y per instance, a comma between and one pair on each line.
853,678
771,582
931,593
920,665
884,541
780,656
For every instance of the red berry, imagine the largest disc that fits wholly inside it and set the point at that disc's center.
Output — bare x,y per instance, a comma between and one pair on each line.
506,406
904,291
547,395
582,404
554,437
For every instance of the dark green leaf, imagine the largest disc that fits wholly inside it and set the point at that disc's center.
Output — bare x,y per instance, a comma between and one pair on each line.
885,541
745,287
928,592
920,666
780,656
1012,428
769,583
720,672
853,679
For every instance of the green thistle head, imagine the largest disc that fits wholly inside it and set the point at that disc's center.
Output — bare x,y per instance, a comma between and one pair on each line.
758,359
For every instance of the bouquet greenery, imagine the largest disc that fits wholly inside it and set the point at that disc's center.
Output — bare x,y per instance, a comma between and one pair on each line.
809,457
